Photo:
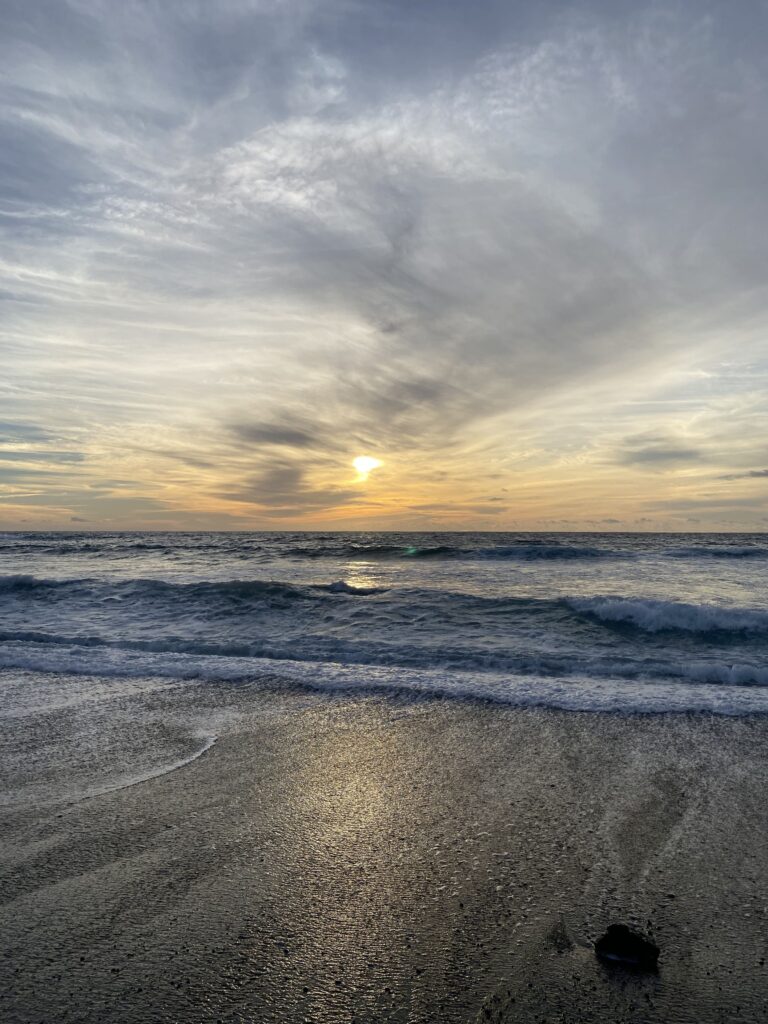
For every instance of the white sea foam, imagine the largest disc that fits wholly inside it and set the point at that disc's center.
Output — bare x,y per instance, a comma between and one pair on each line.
737,674
575,693
207,741
342,587
656,615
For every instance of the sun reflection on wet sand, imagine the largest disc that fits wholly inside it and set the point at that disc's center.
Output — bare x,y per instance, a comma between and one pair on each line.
353,798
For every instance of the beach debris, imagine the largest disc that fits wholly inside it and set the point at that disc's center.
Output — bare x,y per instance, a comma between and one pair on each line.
626,948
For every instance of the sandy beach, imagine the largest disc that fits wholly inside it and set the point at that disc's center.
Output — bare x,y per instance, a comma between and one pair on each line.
376,859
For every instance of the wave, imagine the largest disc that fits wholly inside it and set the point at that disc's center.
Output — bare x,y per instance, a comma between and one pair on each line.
402,605
656,616
21,583
369,551
578,693
737,674
546,552
237,590
521,552
564,665
342,587
727,551
113,548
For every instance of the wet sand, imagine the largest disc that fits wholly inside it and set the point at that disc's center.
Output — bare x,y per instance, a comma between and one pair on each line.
373,860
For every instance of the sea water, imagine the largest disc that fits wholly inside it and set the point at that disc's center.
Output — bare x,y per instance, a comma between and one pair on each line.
589,622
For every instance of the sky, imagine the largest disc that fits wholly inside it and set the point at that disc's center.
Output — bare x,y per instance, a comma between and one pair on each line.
515,252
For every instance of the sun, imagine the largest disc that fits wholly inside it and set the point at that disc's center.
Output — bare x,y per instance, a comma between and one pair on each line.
365,464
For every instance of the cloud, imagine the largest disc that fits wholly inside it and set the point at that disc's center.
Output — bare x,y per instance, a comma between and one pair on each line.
47,455
274,229
176,455
279,435
658,452
458,508
12,474
705,502
752,474
281,490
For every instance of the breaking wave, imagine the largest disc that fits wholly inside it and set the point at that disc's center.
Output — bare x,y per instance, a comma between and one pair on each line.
21,583
24,649
655,616
577,693
403,605
233,590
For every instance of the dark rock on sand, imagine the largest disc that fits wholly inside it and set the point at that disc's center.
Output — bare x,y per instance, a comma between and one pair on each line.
620,945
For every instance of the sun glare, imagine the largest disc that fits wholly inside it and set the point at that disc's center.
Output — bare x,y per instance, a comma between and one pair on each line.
365,464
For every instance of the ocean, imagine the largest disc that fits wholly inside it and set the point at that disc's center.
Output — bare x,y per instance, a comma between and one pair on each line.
586,622
381,777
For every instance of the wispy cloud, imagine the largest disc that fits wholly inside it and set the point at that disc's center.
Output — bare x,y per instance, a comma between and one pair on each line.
752,474
47,455
245,243
658,452
281,490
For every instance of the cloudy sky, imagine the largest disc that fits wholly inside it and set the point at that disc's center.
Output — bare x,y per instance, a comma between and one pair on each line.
515,251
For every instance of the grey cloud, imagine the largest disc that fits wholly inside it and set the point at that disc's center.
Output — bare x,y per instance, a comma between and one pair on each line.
278,435
704,502
658,452
523,298
279,489
175,455
99,505
15,474
372,405
458,507
41,456
752,474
